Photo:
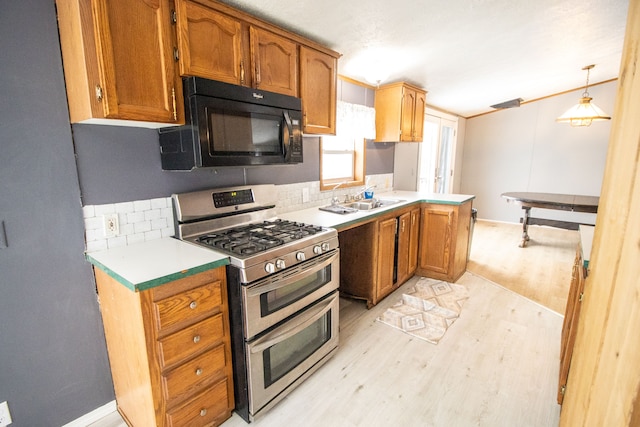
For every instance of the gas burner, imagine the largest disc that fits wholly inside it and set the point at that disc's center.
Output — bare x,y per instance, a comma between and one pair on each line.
258,237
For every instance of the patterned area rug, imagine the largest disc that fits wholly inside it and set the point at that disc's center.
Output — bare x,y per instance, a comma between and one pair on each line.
427,310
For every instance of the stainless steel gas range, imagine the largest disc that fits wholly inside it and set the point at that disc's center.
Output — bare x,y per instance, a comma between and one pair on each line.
283,279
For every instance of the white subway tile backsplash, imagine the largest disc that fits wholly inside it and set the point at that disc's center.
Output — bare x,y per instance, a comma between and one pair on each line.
142,205
104,209
141,227
144,220
159,203
125,207
139,220
88,211
135,217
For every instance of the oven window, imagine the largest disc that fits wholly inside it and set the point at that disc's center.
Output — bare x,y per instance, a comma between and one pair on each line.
244,133
276,299
285,356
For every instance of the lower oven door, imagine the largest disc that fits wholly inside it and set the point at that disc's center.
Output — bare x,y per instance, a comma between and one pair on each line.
288,354
273,299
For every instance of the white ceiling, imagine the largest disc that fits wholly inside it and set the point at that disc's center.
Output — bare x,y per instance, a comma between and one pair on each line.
468,54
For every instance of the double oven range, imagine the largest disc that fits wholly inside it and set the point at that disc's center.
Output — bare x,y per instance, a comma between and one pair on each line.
282,283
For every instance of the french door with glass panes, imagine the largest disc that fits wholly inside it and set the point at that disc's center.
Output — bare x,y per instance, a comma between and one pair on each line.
437,154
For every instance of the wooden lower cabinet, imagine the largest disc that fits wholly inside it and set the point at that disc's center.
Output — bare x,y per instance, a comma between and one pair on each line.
570,325
378,256
444,240
169,350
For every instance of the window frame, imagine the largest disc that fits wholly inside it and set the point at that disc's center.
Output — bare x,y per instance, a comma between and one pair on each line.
359,167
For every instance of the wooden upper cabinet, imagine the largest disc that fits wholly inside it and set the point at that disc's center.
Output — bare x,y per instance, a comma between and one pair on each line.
318,77
210,43
274,62
118,60
400,109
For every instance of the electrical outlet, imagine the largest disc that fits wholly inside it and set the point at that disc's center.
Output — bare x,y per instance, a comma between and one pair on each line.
305,195
5,416
111,225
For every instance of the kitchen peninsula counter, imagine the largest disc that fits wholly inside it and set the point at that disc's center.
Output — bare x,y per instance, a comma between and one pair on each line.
343,221
149,264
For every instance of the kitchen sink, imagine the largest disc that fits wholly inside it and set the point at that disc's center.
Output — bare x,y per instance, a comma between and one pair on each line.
361,205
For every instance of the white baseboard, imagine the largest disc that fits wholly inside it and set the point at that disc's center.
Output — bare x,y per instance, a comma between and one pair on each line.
93,416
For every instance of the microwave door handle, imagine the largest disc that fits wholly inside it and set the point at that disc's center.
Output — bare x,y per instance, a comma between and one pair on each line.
276,336
289,135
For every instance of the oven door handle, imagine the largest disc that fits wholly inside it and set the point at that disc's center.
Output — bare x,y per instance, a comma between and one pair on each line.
307,318
260,288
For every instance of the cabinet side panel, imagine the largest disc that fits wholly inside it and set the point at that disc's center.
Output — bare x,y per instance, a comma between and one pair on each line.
126,345
461,231
73,42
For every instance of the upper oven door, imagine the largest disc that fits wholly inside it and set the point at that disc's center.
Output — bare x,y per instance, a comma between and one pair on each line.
236,133
273,299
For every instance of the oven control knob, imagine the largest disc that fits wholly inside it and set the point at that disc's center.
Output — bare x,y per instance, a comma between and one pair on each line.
280,264
300,256
317,250
325,247
270,267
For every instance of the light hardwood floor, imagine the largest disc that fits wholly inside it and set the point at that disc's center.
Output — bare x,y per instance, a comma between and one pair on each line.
496,366
541,271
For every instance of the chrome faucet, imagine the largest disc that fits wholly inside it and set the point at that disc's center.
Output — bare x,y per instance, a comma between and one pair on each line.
334,199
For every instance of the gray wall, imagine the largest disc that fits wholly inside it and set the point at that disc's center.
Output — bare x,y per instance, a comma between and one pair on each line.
53,360
119,164
525,149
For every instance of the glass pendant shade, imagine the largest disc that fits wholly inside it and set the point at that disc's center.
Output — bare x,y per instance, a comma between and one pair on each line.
583,113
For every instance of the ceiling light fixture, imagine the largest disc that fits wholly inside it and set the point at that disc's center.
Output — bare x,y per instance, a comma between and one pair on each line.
585,111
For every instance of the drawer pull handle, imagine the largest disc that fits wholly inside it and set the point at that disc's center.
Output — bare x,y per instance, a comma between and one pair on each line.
196,339
193,305
199,371
203,412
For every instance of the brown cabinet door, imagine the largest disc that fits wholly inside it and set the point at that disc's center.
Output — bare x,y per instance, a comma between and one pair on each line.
275,62
570,324
436,244
414,238
407,115
418,116
404,237
136,69
318,76
386,255
210,43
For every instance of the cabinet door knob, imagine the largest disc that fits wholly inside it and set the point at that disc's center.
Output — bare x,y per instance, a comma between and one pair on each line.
193,305
199,371
196,339
203,412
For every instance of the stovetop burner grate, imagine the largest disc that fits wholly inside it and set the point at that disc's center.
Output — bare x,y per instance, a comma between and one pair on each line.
258,237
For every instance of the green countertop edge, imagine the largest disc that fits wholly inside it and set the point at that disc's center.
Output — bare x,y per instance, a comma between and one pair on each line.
415,202
160,280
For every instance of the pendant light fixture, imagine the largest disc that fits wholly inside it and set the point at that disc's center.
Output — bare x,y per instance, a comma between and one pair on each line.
585,111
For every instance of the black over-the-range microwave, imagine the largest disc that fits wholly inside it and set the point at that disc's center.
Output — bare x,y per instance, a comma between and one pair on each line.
230,125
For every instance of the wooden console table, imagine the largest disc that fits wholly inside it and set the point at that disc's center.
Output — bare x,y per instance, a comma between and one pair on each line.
563,202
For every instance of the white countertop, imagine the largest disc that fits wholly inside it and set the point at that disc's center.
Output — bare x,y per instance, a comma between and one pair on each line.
148,264
156,262
328,219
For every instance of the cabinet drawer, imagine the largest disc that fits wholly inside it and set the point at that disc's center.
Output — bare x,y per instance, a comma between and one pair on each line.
204,409
194,374
191,303
182,344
